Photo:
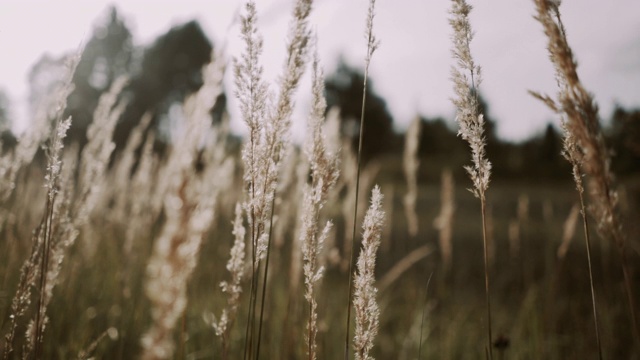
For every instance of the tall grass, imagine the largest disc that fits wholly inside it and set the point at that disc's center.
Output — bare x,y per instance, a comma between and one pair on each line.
189,203
130,255
372,45
324,175
366,309
466,79
585,149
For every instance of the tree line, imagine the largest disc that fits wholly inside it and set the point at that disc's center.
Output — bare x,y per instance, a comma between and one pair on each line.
164,73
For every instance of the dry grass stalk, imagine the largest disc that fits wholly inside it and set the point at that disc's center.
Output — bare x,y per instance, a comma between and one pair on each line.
286,201
372,45
514,239
387,233
349,180
324,167
189,214
52,184
145,205
295,270
523,209
366,310
269,125
276,134
491,245
236,266
295,263
568,231
251,91
517,226
85,354
444,222
547,210
584,144
410,166
402,266
466,78
97,152
122,172
38,132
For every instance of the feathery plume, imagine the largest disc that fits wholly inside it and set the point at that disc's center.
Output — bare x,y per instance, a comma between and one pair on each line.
269,125
96,154
584,147
52,184
366,309
372,45
189,214
122,173
466,76
233,288
324,175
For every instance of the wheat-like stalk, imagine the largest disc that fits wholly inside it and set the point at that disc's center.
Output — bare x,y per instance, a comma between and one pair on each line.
37,326
372,45
568,231
35,268
410,166
466,79
189,208
366,309
584,147
74,207
324,175
444,222
235,266
269,125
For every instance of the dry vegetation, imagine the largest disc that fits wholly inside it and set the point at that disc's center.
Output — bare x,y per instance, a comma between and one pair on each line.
212,251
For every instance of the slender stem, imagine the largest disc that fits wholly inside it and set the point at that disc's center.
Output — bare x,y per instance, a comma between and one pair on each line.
249,328
426,291
627,285
183,332
44,265
266,270
355,210
587,240
309,331
486,274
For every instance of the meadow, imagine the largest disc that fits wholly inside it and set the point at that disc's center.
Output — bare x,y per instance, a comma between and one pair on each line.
216,248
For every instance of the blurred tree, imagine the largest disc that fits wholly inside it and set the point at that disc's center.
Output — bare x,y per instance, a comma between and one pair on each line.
170,69
440,148
344,89
44,76
503,156
624,139
5,121
7,140
438,138
107,55
542,157
160,75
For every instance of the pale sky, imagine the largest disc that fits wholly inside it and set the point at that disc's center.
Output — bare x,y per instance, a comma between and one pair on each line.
410,69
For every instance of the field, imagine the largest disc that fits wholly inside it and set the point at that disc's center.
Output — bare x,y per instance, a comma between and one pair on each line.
541,304
120,253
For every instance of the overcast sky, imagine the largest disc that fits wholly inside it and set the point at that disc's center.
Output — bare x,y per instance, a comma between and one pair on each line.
411,68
